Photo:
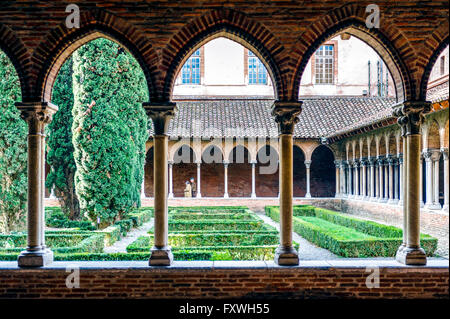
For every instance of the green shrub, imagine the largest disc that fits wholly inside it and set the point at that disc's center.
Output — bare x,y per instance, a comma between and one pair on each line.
348,236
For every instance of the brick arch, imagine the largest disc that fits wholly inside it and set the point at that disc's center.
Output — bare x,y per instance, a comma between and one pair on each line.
443,43
229,24
323,177
351,19
61,42
239,173
19,56
433,136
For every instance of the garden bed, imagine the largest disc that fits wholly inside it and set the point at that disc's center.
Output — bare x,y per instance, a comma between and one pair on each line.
348,236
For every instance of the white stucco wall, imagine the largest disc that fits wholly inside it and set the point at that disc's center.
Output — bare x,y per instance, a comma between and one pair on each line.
224,72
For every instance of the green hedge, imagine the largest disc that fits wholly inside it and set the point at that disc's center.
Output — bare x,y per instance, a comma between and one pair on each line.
348,236
59,243
208,239
218,224
203,216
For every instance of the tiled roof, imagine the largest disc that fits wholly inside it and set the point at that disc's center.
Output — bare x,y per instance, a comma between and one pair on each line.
321,116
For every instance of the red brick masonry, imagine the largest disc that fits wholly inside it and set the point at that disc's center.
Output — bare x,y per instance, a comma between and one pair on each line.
312,279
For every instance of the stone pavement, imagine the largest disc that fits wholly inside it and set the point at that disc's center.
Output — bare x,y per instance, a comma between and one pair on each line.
121,245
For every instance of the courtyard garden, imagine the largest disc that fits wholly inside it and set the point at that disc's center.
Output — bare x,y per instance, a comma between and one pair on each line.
347,236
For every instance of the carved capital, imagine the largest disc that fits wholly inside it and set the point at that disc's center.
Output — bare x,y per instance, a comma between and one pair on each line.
37,115
308,164
286,115
160,113
410,115
445,153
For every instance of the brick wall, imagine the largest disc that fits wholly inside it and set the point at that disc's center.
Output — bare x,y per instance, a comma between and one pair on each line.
226,282
162,35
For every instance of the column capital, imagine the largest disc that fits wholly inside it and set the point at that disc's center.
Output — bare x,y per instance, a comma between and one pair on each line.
170,162
363,162
226,162
308,163
286,115
380,160
36,114
372,161
160,113
410,115
444,152
337,163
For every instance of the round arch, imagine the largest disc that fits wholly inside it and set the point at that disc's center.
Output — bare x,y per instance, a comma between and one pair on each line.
266,175
12,47
184,168
212,172
429,67
62,42
404,86
433,136
299,172
239,172
148,173
323,177
229,24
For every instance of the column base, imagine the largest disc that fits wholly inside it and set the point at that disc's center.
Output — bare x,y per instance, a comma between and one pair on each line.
226,196
38,258
170,195
411,256
308,195
161,256
432,206
286,256
253,195
445,207
392,202
199,195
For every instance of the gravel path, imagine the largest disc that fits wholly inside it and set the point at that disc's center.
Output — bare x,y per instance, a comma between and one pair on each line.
307,251
121,245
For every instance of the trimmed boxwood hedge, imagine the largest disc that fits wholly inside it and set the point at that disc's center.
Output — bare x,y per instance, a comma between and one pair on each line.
375,240
59,243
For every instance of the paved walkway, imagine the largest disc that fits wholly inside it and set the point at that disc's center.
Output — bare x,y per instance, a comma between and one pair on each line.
121,245
307,250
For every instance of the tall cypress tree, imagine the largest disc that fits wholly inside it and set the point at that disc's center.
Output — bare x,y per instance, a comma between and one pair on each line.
60,146
109,130
13,151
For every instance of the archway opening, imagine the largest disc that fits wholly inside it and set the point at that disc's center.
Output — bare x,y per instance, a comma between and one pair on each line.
212,172
239,172
299,172
323,178
267,172
184,168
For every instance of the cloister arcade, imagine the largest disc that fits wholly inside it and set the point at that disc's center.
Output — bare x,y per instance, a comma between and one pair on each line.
38,54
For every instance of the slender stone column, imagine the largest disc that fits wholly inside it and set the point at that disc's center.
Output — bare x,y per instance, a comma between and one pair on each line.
428,179
160,113
253,179
377,179
386,179
410,117
390,189
286,116
446,173
380,179
343,191
364,178
372,177
421,180
347,179
199,187
170,179
225,173
356,180
395,181
308,179
401,180
446,177
37,115
435,159
338,184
